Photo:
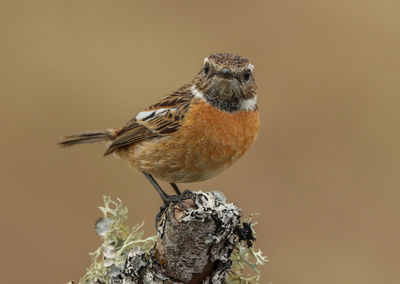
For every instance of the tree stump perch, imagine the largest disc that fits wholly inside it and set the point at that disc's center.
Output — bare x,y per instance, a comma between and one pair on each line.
194,244
195,241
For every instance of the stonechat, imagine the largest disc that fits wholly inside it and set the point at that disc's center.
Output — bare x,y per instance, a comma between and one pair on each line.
192,134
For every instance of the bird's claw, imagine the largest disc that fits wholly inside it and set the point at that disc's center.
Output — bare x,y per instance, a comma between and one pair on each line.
187,194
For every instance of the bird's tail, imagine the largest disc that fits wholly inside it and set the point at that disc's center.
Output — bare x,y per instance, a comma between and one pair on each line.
89,137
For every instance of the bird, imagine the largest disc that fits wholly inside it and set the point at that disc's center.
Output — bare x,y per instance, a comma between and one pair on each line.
192,134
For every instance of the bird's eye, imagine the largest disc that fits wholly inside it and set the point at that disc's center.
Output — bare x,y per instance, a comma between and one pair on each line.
247,75
206,68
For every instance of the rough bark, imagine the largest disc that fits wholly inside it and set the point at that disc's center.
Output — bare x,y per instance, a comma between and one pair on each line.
195,241
194,244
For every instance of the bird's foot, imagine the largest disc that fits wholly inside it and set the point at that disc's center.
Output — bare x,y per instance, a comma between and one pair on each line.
187,194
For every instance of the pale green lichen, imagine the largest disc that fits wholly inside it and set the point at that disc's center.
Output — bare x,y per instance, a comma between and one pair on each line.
245,262
121,242
118,239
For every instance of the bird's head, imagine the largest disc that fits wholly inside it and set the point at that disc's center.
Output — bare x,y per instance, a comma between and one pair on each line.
226,81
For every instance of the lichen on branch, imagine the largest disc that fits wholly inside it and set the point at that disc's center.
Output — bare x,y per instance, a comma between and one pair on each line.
199,241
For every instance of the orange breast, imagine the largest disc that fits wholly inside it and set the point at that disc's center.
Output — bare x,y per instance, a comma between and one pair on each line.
208,142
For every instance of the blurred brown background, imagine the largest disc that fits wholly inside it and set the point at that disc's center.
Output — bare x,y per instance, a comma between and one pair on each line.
323,174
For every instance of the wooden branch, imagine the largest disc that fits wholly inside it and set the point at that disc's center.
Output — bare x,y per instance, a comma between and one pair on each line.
195,240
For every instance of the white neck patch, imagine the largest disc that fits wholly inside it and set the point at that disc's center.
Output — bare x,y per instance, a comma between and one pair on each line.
249,104
195,92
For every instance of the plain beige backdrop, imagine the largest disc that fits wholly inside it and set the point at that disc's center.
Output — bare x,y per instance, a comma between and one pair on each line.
323,174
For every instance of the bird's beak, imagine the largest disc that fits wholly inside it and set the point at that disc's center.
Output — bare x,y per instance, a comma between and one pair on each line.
226,73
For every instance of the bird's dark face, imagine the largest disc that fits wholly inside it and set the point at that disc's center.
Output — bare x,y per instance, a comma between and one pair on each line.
227,82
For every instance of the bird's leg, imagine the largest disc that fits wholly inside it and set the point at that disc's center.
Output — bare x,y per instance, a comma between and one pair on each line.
176,188
160,191
165,197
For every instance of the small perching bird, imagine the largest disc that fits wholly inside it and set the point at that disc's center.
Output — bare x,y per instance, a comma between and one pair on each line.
194,133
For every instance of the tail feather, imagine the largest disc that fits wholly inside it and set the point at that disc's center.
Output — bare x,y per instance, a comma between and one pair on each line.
88,137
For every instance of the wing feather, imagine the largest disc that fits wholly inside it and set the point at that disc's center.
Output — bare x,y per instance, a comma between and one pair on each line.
160,119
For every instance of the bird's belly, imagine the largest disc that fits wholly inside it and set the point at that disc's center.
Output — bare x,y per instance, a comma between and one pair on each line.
208,142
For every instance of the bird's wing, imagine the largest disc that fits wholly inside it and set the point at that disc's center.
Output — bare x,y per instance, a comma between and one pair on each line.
157,120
